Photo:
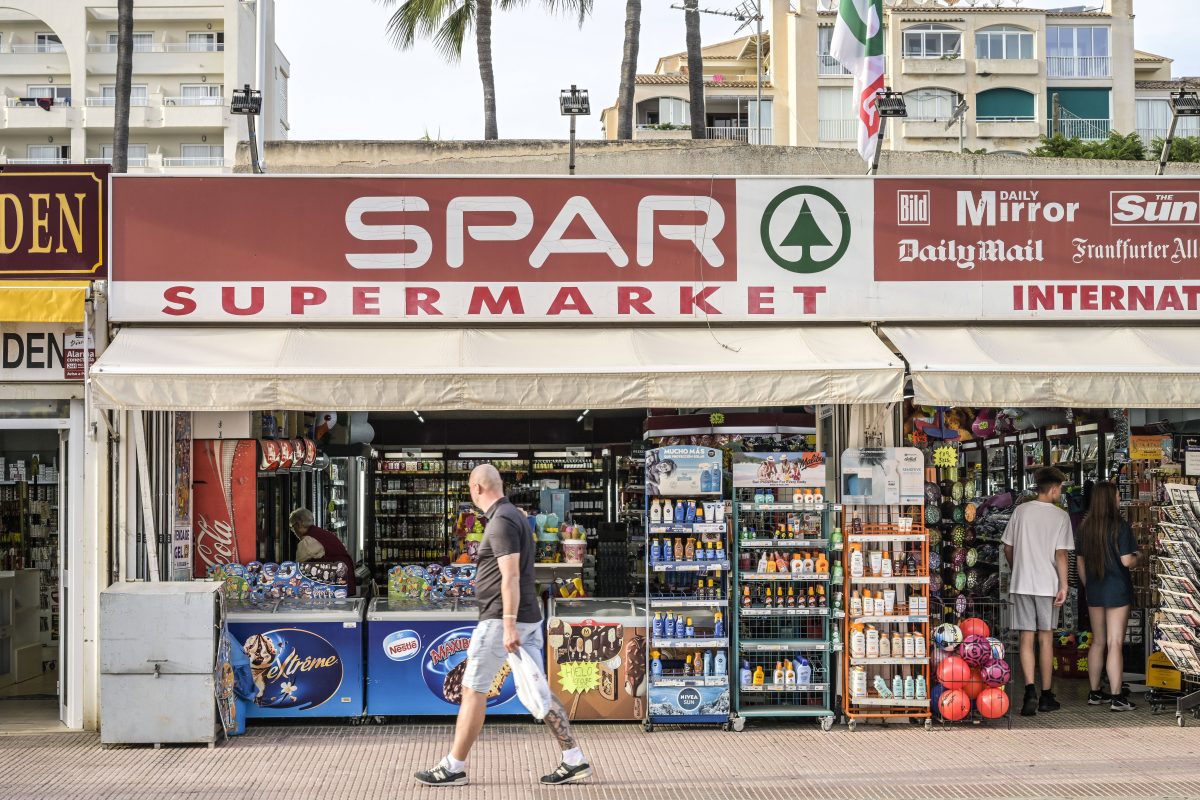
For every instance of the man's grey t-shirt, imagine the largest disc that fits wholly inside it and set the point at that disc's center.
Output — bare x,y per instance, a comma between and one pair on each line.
1036,532
507,532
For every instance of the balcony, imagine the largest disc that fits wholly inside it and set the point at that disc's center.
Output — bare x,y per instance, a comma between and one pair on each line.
37,161
928,129
24,115
99,112
205,165
1007,128
33,59
652,132
1007,66
1090,130
1079,67
748,135
195,112
160,58
830,67
837,130
934,66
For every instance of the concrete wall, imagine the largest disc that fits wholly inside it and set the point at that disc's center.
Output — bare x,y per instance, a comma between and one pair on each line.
685,157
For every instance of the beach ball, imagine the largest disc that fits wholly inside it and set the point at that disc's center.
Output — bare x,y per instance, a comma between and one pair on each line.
954,705
953,672
992,703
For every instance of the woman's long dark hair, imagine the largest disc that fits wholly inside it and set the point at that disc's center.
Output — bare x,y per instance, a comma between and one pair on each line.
1098,533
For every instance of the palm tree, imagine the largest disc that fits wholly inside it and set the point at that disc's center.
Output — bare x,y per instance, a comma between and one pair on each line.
120,157
695,65
447,22
633,32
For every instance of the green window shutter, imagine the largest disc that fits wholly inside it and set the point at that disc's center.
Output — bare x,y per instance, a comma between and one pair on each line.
1004,104
1083,103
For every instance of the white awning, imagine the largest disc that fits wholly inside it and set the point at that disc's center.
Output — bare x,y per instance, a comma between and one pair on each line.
1046,366
493,369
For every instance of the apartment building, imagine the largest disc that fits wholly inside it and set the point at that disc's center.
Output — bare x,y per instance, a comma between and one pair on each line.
58,74
662,109
1018,73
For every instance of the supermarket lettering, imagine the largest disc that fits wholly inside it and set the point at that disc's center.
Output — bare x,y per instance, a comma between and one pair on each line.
1105,297
554,241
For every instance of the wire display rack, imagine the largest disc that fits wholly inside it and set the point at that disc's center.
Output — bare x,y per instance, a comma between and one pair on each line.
995,614
1177,568
783,605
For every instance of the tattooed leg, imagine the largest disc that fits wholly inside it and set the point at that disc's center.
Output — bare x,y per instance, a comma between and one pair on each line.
556,720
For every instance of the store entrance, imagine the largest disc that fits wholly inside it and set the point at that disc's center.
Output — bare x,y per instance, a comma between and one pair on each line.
35,455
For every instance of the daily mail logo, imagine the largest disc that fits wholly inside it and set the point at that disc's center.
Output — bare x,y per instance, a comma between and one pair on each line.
1154,208
912,207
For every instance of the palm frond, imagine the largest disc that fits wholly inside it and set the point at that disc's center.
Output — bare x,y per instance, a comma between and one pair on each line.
454,30
580,9
428,19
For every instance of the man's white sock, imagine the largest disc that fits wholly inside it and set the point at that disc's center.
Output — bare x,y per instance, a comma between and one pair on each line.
573,757
452,764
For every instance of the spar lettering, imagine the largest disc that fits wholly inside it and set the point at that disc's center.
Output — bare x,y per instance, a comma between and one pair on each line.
966,255
292,663
446,649
1105,297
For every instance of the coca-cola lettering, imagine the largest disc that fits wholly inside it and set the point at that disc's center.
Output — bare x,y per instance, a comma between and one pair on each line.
214,541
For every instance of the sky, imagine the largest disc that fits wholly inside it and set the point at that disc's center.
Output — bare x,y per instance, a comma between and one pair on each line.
349,82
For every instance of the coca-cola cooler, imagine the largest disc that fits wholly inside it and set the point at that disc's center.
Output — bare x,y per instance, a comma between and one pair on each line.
596,657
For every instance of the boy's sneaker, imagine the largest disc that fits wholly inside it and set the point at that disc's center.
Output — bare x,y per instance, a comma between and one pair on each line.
440,776
1030,706
568,774
1121,704
1048,702
1098,698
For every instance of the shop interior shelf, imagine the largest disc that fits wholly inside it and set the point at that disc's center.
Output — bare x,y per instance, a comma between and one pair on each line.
880,619
689,566
786,711
783,687
701,642
784,612
773,645
679,680
816,507
785,576
891,702
884,537
784,543
699,527
871,580
888,662
409,494
686,602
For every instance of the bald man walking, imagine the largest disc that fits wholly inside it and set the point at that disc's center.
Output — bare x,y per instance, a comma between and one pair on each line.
510,618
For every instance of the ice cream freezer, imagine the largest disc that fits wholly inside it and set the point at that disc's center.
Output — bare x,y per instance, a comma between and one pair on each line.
596,657
416,657
306,655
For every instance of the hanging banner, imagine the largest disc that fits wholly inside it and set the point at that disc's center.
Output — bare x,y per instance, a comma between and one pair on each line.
224,487
395,250
181,535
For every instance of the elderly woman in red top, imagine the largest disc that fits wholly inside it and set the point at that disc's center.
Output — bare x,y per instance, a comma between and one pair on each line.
318,544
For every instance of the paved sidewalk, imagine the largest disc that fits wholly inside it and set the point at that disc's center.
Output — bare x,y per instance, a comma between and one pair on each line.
1073,753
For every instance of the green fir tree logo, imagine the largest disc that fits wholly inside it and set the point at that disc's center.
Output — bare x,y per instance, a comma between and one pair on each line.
805,231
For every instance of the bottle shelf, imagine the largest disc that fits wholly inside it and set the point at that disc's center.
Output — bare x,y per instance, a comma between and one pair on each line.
814,507
785,544
884,537
887,662
783,612
817,577
780,645
784,711
694,642
784,687
689,566
878,581
680,681
890,702
682,528
884,619
685,602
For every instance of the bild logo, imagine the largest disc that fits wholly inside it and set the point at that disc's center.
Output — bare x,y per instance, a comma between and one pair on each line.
402,645
688,699
805,229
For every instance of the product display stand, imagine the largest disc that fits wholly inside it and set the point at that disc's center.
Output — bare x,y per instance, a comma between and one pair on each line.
1178,570
783,605
883,519
687,588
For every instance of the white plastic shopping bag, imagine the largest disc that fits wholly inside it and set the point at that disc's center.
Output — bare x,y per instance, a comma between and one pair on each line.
532,689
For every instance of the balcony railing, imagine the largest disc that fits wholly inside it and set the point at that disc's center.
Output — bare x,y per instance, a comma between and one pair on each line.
837,130
32,102
749,135
138,47
38,161
193,101
195,161
110,102
44,47
161,47
1086,129
828,65
1079,67
133,162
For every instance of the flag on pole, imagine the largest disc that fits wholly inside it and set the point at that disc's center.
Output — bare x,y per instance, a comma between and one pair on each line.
858,45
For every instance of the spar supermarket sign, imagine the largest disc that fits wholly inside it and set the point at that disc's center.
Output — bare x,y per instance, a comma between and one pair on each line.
301,249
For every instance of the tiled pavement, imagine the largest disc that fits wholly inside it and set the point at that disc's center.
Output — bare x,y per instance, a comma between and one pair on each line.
1078,752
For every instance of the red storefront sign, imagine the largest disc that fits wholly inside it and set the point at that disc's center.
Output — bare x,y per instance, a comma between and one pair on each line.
53,220
224,483
394,250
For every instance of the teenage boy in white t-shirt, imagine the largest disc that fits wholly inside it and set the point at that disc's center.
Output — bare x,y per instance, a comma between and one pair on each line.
1036,543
